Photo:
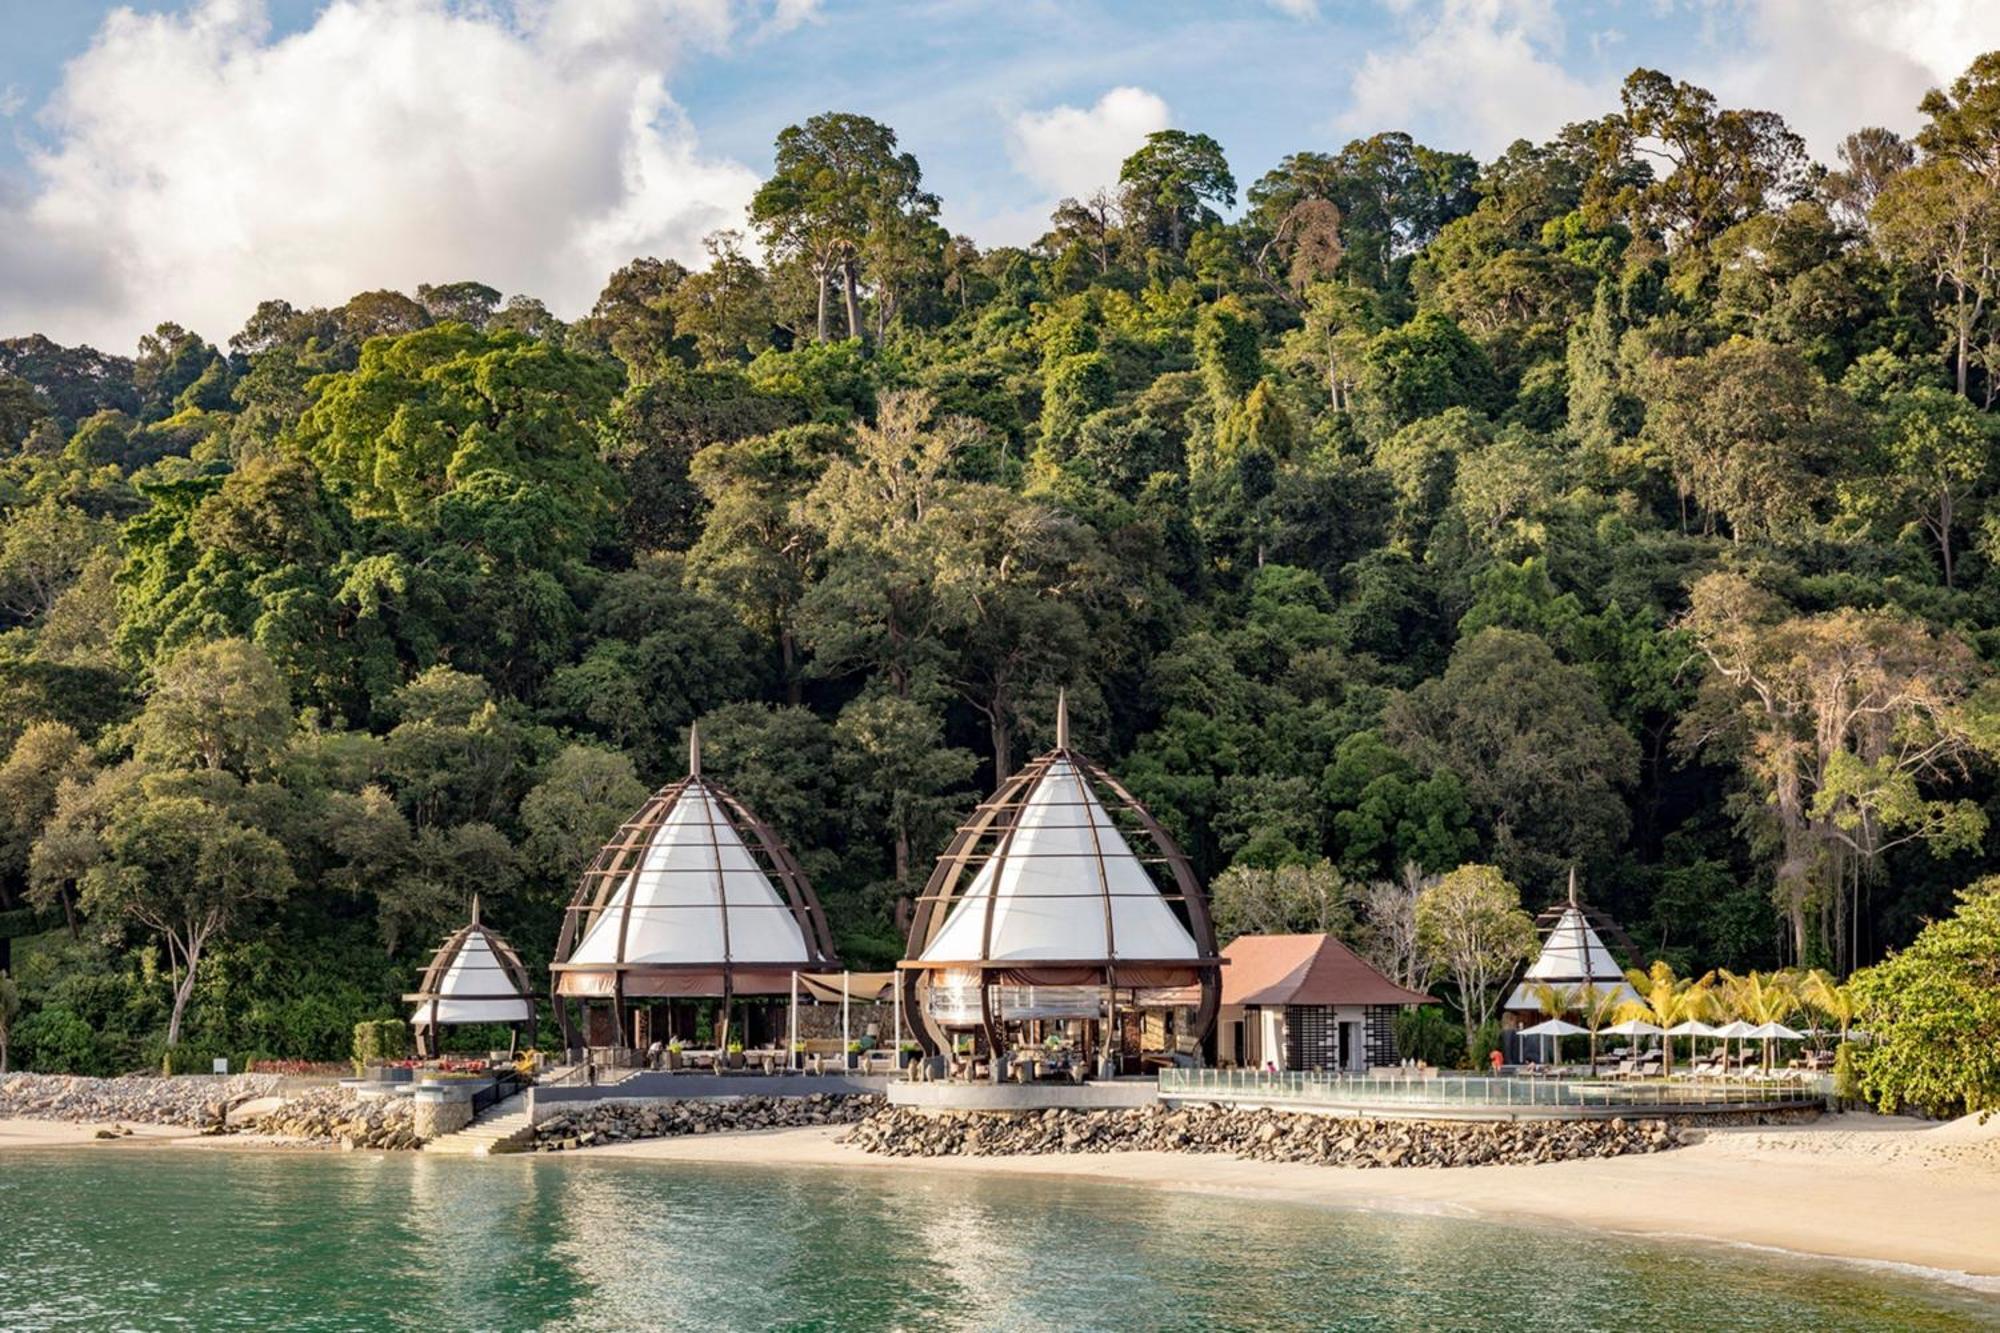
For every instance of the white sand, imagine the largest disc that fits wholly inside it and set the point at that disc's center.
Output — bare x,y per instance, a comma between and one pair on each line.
69,1134
1848,1187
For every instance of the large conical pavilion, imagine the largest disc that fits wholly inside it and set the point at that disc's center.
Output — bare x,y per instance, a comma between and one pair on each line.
475,977
693,897
1573,955
1041,911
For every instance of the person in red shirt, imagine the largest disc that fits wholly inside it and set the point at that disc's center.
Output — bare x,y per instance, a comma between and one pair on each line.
1493,1057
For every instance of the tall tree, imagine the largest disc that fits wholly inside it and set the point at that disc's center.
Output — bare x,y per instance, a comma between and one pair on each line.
1844,721
1171,185
1722,165
838,180
1542,759
1470,923
185,869
1943,219
757,549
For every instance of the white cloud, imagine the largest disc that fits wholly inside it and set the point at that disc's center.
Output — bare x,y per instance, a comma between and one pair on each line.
1073,151
194,164
1298,9
1832,66
1473,75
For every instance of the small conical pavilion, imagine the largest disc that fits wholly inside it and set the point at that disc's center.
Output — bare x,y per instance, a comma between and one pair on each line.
693,897
1573,954
1041,909
475,977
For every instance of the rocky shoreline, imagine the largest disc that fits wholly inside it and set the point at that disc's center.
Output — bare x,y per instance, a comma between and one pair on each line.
1271,1136
335,1117
622,1122
189,1101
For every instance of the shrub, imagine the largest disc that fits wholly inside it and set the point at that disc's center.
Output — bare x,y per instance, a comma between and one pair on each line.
379,1041
191,1058
1934,1011
1424,1033
57,1040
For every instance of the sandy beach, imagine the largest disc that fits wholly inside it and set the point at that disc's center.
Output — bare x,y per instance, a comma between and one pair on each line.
69,1134
1855,1187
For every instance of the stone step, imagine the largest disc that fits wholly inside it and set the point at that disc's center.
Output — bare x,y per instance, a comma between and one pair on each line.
501,1128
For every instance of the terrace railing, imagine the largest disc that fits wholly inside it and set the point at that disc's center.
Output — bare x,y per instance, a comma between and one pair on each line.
1472,1092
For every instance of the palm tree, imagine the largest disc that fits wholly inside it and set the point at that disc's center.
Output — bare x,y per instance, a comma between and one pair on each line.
1599,1008
1760,998
1554,1002
1666,1000
1831,999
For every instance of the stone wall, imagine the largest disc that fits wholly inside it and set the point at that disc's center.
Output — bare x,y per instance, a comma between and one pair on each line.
1276,1136
579,1125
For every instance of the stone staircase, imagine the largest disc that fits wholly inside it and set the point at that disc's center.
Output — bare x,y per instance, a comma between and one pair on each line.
503,1127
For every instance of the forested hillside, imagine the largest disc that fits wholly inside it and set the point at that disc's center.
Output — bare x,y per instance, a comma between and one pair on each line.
1621,503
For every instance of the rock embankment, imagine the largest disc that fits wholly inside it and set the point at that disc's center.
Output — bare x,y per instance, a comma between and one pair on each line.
621,1122
1270,1136
191,1101
337,1118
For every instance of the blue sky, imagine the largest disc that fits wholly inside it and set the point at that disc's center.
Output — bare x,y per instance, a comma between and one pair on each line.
181,158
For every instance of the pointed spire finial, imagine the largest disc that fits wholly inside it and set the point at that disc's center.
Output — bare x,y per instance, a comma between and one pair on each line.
694,750
475,909
1572,884
1062,719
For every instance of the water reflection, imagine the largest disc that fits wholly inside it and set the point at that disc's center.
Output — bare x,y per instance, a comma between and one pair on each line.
149,1239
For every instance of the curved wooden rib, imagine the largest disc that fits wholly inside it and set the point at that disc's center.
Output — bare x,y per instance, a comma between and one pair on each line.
619,859
991,826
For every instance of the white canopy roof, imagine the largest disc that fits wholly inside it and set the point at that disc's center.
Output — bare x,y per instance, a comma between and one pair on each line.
476,984
698,896
1048,883
1573,955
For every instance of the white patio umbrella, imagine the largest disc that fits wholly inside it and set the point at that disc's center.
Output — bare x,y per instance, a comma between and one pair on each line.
1735,1031
1556,1028
1771,1032
1691,1028
1636,1027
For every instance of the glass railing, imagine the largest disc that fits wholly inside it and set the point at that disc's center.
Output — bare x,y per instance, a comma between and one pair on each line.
1474,1090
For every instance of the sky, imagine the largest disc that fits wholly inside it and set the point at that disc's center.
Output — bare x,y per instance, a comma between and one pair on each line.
183,159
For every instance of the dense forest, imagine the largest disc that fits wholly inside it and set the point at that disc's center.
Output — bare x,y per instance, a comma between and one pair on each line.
1619,504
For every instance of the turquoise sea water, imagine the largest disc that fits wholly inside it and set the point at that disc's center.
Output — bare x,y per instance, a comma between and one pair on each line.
143,1239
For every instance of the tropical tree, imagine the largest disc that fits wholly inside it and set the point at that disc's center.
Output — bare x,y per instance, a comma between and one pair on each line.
1758,998
838,180
1281,900
1170,185
1554,1002
1933,1014
1842,719
1598,1006
1832,1000
1666,1001
184,868
217,706
1471,924
1390,938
